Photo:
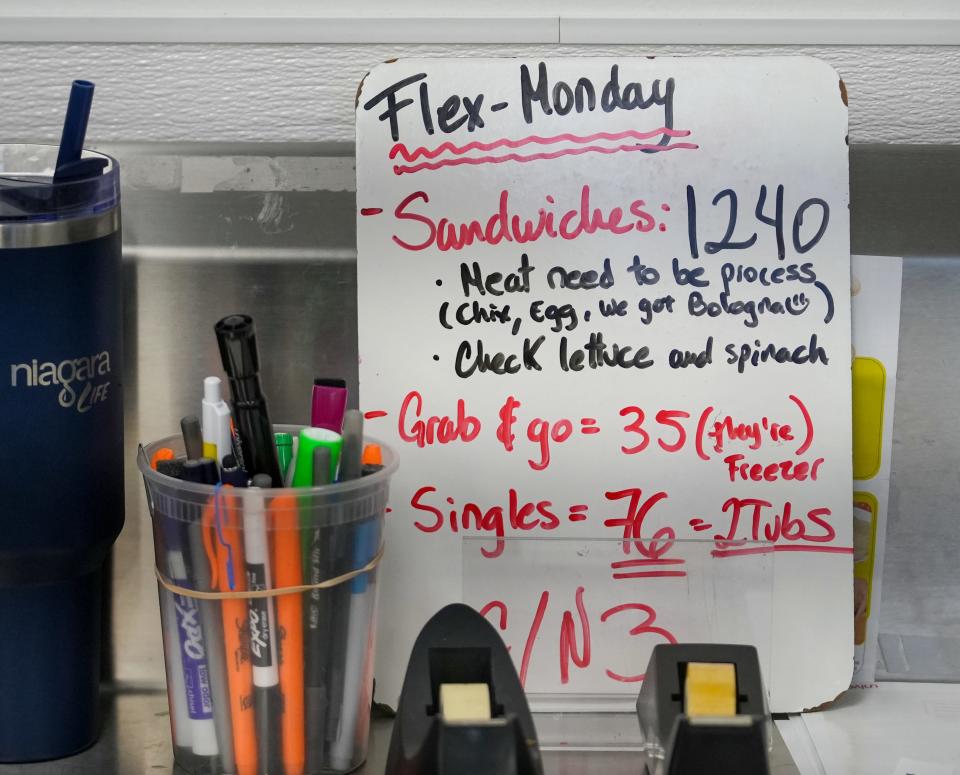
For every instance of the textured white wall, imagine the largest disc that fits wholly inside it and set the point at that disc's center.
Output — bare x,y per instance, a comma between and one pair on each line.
300,8
305,93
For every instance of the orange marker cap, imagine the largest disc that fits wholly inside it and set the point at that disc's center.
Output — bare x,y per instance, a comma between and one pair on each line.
164,453
372,455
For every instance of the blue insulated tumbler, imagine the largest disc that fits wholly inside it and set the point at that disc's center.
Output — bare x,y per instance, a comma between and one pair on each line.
61,443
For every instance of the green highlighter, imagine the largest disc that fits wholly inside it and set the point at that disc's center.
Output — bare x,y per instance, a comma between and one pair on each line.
310,439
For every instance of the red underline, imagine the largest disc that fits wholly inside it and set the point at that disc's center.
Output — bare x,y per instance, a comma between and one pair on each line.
399,149
830,549
641,563
400,169
782,548
650,574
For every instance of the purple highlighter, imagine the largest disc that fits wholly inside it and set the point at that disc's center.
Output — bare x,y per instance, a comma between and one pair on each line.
329,404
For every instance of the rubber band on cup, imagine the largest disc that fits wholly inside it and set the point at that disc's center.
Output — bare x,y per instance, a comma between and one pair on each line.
262,593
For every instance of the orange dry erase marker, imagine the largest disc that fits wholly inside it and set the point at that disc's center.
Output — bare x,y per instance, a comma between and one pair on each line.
164,453
224,547
284,524
372,459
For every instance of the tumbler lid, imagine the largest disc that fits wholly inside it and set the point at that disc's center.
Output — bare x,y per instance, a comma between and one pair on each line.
29,194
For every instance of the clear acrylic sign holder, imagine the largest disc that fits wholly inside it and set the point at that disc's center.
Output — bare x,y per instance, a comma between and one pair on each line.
582,616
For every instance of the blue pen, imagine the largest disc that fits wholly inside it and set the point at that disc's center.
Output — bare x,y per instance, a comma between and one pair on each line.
350,612
355,658
74,130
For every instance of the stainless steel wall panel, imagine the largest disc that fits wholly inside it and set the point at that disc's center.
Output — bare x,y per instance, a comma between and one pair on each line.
287,257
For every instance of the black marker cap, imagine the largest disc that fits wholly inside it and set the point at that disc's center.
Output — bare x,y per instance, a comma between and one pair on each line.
237,339
202,471
262,480
192,437
172,468
330,382
235,476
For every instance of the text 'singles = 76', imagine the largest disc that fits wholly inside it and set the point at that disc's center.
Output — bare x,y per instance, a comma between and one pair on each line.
737,520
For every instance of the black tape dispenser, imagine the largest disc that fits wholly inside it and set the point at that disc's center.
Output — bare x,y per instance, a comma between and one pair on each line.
702,710
462,709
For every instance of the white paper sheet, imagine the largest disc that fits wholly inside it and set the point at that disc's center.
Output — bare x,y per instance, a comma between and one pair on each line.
873,731
875,289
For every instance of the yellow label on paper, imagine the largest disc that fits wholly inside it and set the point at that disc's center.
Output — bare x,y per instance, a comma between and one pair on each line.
869,386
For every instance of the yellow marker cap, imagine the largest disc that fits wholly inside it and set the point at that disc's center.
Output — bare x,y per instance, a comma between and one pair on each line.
710,689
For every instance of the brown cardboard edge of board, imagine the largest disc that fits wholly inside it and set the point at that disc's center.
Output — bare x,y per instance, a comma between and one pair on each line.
356,101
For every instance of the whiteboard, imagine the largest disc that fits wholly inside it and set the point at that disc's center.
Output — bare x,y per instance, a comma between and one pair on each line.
609,298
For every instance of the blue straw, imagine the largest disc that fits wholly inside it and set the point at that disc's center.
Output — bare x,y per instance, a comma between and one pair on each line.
74,125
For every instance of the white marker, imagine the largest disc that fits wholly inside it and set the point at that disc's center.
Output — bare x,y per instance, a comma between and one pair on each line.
215,422
193,658
268,702
182,735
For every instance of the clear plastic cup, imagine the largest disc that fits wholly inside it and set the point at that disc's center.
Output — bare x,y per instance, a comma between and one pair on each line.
259,679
